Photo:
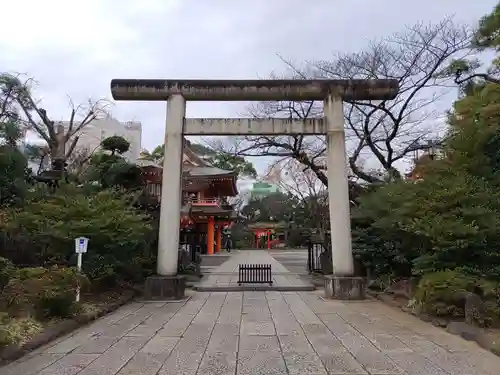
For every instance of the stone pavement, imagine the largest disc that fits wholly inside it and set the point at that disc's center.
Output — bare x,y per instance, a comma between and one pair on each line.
258,333
243,333
225,277
294,260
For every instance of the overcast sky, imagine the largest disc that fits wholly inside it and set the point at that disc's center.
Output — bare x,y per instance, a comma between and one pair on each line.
76,47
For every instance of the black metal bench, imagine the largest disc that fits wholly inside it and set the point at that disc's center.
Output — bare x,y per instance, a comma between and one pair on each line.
255,274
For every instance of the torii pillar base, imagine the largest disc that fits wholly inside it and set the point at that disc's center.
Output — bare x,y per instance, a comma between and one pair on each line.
165,288
345,288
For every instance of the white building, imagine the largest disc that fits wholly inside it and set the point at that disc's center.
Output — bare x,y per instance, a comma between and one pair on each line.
94,133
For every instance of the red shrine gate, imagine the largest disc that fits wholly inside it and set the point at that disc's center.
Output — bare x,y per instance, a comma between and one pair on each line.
259,233
271,232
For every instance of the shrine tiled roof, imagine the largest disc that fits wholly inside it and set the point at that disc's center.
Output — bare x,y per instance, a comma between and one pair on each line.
207,171
195,173
195,158
147,163
190,170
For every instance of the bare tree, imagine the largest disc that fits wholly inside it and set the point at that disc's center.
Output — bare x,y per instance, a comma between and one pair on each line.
385,132
79,160
57,135
291,177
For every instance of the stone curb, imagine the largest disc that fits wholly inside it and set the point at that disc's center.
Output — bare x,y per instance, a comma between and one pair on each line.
13,352
462,329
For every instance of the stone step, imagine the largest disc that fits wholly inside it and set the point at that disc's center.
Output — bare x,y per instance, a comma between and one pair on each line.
254,288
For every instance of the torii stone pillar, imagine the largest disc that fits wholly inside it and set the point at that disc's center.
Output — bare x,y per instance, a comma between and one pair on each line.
171,188
338,187
341,284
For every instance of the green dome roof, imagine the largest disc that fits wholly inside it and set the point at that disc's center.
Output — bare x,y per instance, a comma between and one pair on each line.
262,189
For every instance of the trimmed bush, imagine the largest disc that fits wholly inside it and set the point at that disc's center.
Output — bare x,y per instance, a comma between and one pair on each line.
443,294
46,292
440,293
17,331
50,223
137,269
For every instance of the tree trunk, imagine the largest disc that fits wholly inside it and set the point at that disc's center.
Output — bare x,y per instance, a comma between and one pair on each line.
58,152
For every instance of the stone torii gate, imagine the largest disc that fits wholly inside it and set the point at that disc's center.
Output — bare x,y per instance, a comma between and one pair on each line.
177,92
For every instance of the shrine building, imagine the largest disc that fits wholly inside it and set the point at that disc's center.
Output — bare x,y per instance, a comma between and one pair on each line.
205,211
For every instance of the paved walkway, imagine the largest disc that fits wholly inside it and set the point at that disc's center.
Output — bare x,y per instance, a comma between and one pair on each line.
226,275
258,333
294,260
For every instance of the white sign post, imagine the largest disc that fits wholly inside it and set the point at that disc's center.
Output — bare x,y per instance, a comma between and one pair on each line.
81,244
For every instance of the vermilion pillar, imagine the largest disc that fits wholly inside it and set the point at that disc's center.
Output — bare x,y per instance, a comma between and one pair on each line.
210,235
218,240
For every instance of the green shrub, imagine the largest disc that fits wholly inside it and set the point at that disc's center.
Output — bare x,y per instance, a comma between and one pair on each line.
46,292
136,269
58,306
17,331
6,271
440,293
450,220
443,294
50,223
492,312
13,165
